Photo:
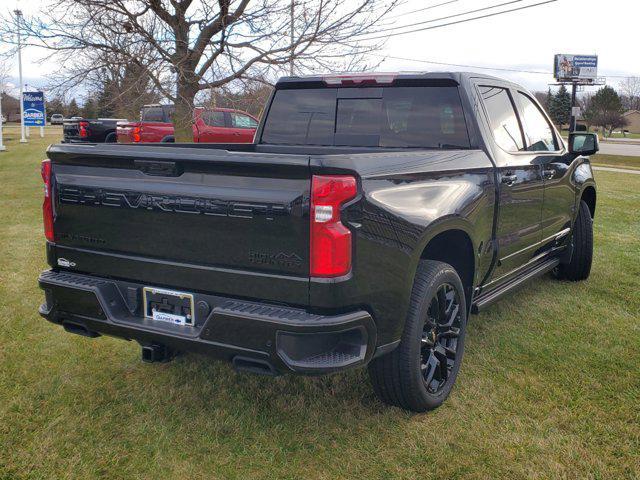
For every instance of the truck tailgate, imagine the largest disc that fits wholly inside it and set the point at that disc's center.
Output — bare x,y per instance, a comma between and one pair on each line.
233,223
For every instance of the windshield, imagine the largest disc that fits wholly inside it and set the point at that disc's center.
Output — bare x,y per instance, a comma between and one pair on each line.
402,117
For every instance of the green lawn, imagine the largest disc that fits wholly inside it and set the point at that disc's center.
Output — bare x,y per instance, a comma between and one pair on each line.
628,135
620,161
550,386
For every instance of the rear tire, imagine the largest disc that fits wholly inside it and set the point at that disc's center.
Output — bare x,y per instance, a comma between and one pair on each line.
111,138
419,374
579,267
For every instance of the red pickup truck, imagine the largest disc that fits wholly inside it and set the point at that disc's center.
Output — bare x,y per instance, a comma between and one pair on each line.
217,125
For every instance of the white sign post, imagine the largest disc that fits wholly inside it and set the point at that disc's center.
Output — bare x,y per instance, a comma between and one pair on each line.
18,14
2,147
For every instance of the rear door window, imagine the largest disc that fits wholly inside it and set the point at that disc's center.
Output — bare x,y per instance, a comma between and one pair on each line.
402,117
502,118
238,120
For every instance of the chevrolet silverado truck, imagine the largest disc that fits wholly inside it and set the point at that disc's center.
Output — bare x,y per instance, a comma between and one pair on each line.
210,125
87,130
370,217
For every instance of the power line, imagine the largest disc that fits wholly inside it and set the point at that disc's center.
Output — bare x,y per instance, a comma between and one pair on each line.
446,17
460,21
423,9
478,67
503,69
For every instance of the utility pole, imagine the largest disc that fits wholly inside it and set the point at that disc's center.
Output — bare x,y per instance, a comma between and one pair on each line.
291,58
18,15
574,119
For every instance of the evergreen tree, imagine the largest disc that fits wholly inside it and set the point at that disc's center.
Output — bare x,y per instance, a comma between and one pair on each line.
89,109
72,109
560,108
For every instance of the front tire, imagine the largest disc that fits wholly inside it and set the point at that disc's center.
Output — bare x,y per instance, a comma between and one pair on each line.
419,374
579,267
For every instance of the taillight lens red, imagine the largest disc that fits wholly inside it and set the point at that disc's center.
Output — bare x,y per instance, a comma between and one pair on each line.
330,239
83,129
135,134
47,204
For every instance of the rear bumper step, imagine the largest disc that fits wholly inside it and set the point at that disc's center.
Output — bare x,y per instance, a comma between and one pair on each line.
256,337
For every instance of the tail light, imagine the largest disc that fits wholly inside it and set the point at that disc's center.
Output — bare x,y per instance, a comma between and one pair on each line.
83,129
135,134
47,204
330,239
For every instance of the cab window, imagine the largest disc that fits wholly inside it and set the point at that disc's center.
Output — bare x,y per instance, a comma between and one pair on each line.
502,118
213,118
152,114
537,129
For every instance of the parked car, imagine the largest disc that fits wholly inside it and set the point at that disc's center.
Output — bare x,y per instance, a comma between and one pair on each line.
56,119
85,130
218,125
370,217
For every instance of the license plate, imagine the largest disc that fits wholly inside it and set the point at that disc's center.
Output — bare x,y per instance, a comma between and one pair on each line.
168,306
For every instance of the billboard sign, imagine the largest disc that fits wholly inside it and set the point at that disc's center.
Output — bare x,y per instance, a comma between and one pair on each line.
33,106
575,67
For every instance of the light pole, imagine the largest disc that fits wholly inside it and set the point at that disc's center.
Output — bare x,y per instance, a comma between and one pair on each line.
18,14
291,33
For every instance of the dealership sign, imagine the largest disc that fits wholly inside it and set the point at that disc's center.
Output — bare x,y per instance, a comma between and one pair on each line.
33,107
575,67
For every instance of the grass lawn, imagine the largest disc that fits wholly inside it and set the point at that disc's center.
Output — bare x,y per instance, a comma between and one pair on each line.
550,386
620,161
628,135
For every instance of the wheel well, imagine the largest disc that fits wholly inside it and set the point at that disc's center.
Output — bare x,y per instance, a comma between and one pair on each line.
455,248
589,197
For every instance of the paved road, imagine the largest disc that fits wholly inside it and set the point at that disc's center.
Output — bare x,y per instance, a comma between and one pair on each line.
610,148
618,170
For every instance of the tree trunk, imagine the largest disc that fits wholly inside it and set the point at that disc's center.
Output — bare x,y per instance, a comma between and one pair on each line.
183,116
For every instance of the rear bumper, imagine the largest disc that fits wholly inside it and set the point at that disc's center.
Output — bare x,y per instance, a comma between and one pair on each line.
284,339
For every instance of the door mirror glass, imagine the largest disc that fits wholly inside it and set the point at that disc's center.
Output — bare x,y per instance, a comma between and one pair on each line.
582,143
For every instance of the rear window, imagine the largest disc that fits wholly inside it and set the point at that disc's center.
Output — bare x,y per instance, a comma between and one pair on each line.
152,114
403,117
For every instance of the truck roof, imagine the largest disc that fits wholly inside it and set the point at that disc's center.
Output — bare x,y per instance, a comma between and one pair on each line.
383,77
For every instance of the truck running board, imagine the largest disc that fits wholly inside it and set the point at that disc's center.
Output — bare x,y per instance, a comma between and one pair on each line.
483,301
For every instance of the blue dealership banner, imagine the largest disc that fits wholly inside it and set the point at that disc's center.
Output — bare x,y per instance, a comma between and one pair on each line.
33,105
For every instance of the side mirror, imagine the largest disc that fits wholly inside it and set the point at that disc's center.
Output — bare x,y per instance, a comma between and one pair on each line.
583,143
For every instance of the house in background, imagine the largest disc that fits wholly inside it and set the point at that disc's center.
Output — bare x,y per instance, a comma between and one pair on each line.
633,121
10,108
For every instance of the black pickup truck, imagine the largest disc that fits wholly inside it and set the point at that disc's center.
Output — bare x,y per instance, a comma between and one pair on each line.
370,217
87,130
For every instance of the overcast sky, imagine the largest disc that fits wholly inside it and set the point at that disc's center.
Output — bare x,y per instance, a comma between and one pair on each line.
523,40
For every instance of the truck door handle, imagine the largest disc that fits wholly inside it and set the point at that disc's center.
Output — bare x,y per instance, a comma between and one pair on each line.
509,179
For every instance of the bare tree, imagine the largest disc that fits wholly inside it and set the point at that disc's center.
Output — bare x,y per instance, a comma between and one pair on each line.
630,90
199,44
250,96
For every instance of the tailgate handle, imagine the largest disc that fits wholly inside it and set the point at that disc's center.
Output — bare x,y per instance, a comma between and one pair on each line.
154,167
